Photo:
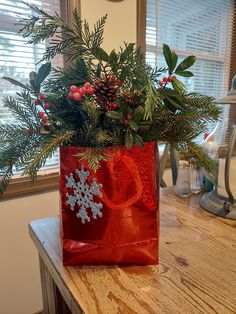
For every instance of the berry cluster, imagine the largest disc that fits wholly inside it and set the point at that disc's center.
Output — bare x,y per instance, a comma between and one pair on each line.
44,118
76,93
41,100
129,117
110,106
166,79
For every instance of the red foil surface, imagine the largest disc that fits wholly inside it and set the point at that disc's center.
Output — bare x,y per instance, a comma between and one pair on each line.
127,233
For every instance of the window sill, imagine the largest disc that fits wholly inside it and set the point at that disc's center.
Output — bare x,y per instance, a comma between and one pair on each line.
47,180
23,186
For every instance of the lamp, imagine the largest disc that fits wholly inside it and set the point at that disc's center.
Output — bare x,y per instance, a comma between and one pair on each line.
222,200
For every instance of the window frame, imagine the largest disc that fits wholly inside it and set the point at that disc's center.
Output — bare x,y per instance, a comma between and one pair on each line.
141,42
22,186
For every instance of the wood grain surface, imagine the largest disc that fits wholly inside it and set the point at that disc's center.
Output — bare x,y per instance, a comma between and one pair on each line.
196,274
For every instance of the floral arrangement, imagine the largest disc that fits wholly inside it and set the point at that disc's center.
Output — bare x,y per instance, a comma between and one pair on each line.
99,101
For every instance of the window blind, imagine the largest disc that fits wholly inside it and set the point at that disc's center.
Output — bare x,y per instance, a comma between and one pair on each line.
201,28
17,58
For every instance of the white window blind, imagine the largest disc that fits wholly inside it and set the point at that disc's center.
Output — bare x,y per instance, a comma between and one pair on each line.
194,27
18,59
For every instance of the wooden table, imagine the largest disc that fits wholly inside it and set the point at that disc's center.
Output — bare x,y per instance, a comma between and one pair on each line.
196,274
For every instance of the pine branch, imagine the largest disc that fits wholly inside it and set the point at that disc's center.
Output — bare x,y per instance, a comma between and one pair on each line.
196,155
19,112
47,148
94,156
152,101
8,131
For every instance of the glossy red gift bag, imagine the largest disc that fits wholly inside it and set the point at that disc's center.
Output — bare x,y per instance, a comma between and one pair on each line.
110,216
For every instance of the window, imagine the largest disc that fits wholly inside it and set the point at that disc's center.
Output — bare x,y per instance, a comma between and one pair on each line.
17,60
198,27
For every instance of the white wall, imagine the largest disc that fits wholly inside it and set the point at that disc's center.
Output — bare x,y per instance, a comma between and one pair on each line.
19,271
121,20
20,291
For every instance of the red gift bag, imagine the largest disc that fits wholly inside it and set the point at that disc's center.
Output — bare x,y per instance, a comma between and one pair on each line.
110,216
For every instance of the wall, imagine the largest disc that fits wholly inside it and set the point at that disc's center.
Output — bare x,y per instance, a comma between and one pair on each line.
121,20
19,272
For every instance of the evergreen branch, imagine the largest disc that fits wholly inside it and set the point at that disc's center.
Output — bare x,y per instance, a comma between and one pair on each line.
25,100
152,101
94,156
17,83
8,131
196,155
47,148
18,111
57,47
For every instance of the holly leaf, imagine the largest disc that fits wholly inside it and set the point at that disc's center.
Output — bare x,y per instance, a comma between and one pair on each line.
173,102
133,125
101,54
138,113
15,82
185,64
127,51
32,79
167,55
129,139
98,70
185,73
178,86
81,69
138,140
43,72
174,60
113,57
170,57
115,115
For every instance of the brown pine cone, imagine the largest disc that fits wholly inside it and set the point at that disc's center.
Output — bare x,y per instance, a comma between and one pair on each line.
106,89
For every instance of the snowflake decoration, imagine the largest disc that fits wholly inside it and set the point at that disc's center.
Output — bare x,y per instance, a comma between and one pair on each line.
83,195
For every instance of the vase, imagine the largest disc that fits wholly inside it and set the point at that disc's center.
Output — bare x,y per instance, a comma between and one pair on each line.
110,216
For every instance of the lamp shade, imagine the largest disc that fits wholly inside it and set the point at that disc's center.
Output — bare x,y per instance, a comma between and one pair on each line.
230,97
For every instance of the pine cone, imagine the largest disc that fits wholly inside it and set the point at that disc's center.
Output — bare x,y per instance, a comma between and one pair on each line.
106,89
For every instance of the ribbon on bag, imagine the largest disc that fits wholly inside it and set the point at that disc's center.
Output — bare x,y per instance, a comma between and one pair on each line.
134,172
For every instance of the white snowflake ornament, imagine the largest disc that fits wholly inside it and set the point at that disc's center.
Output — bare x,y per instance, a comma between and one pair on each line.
83,195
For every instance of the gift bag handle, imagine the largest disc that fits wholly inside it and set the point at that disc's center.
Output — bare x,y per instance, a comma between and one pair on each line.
131,165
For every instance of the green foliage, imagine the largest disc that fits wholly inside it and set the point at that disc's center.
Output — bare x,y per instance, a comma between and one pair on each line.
125,101
94,156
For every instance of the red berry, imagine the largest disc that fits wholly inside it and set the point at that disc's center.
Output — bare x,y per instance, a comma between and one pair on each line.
45,124
82,91
70,96
41,114
87,85
126,122
77,97
90,91
37,102
129,117
106,108
46,105
42,97
113,105
165,79
73,89
173,77
161,83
